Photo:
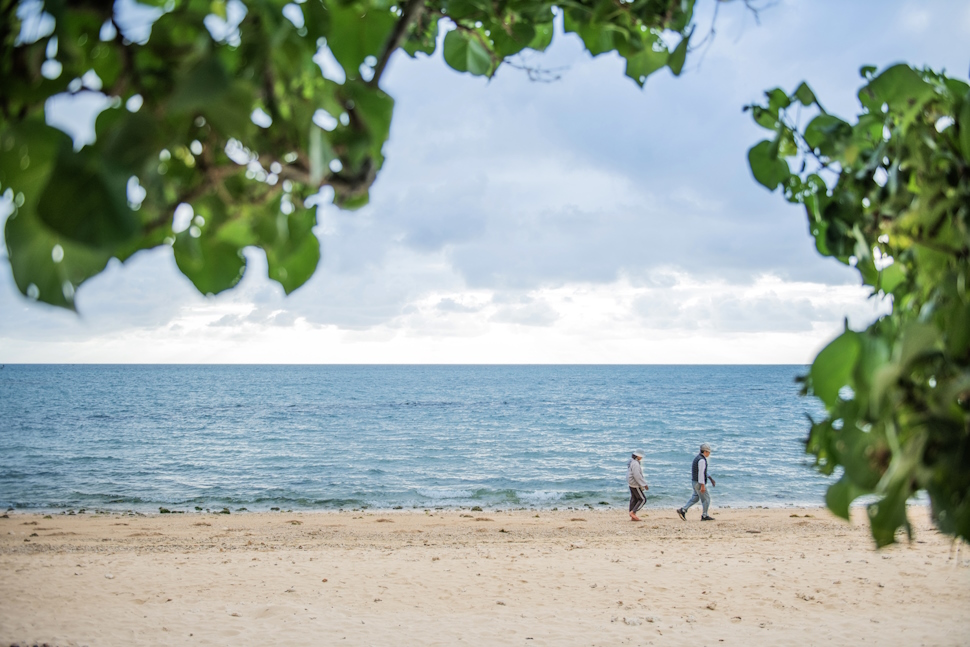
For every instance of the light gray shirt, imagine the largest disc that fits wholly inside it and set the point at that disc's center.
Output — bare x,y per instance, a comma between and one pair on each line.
634,474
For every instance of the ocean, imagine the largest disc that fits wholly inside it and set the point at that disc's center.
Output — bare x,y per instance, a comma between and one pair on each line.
140,438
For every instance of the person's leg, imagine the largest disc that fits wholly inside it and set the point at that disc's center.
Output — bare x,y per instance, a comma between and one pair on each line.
636,501
642,501
695,497
705,500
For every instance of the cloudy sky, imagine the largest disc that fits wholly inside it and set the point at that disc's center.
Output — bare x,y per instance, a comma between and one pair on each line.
581,221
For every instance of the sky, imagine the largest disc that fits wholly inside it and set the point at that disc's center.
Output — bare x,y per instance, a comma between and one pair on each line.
580,221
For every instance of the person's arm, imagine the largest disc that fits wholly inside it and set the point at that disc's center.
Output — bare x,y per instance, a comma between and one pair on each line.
702,473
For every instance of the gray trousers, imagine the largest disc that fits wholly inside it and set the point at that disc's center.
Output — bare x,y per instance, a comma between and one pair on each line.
704,497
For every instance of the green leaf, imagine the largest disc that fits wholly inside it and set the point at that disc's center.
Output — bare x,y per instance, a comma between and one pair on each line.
840,496
647,61
199,85
888,515
903,89
777,100
507,44
46,266
317,19
891,277
679,55
374,107
210,257
237,233
292,249
767,169
958,330
466,53
128,140
833,367
963,121
543,37
918,339
805,95
207,89
598,38
211,264
358,31
423,37
86,201
827,134
29,150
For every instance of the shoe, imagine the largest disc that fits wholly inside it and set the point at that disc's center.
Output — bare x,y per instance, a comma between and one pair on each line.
682,513
707,518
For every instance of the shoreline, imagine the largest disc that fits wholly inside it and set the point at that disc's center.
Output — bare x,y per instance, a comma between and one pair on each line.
570,577
179,509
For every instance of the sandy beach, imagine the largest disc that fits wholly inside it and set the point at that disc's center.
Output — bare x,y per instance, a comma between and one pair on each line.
446,577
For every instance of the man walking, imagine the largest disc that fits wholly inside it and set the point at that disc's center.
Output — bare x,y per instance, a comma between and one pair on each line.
699,478
638,485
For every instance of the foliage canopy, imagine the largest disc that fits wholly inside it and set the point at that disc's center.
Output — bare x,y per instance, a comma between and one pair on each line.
889,195
244,120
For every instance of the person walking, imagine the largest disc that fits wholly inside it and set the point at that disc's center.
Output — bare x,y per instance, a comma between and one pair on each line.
699,478
638,485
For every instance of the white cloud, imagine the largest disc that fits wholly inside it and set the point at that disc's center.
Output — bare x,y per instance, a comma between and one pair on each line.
581,221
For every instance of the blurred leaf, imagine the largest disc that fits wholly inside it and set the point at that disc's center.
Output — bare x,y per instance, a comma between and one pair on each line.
805,95
358,30
213,262
840,496
679,55
767,169
292,250
964,125
85,202
202,83
465,53
918,339
891,277
641,65
513,39
212,265
902,89
889,515
832,369
126,140
827,133
777,100
543,36
33,249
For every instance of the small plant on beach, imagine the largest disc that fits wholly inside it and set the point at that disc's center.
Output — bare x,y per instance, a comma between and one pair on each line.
890,196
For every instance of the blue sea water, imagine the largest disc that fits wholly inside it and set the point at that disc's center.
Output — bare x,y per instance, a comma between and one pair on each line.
328,437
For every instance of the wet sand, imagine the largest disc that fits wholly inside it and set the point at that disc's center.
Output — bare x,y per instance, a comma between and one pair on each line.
447,577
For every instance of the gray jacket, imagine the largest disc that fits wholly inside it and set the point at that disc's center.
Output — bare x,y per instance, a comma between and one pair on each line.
634,474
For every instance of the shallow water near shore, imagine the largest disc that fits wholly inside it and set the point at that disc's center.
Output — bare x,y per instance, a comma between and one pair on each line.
331,437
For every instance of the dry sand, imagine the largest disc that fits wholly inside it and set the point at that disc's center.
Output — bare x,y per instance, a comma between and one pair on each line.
448,577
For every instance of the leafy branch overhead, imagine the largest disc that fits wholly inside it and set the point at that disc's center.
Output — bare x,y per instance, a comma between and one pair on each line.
890,196
243,112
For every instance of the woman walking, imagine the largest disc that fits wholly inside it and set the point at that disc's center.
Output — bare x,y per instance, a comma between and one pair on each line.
638,485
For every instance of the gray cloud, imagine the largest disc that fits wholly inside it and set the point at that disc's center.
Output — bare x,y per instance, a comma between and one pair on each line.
510,186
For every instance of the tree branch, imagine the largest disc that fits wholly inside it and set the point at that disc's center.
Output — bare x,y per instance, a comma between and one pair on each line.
412,13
